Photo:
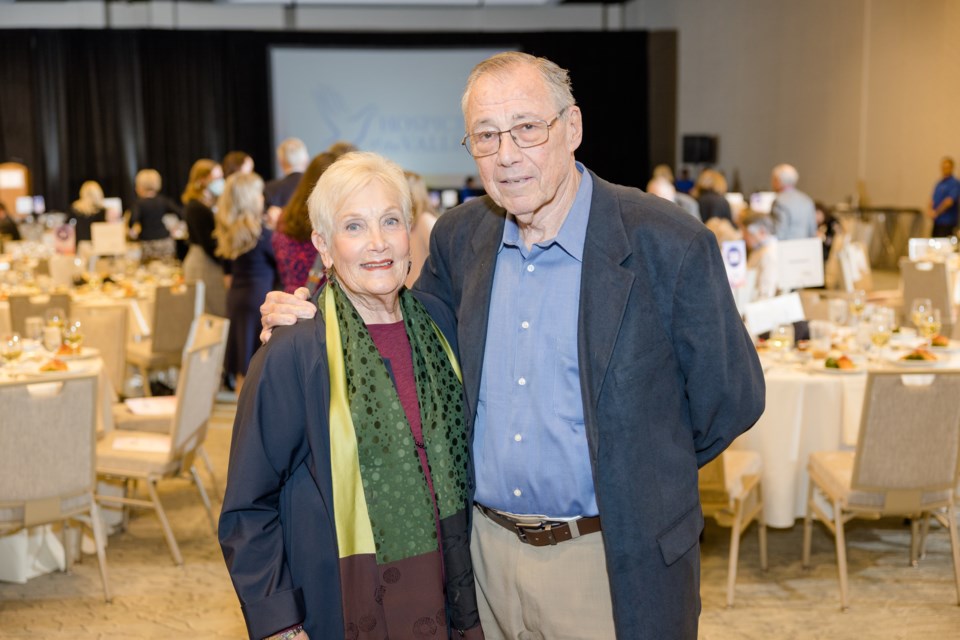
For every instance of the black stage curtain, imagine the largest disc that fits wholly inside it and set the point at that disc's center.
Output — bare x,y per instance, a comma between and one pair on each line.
82,105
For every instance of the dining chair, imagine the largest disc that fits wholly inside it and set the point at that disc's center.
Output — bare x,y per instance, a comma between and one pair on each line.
731,493
207,329
906,463
151,457
22,306
926,279
174,310
48,457
104,328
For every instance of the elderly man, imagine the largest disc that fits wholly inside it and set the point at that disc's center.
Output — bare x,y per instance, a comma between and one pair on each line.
293,159
944,204
662,187
764,260
793,211
603,362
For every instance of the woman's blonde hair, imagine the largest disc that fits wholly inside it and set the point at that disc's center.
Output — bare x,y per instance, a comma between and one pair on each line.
420,199
353,172
148,181
711,180
239,217
91,198
197,183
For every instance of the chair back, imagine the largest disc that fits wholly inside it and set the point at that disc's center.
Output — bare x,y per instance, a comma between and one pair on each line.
206,330
925,279
713,485
47,448
175,309
63,269
105,328
909,444
24,306
855,266
197,389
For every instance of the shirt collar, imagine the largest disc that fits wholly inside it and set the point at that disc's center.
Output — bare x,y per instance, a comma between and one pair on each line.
573,231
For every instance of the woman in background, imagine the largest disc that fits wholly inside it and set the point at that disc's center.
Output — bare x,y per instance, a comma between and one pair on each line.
242,239
202,263
710,189
87,210
424,218
146,217
237,162
291,243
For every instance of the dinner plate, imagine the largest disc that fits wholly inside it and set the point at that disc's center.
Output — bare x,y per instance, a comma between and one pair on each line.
32,369
920,364
817,366
85,353
953,347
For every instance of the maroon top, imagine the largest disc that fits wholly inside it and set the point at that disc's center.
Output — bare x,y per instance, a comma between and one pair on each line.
294,260
392,343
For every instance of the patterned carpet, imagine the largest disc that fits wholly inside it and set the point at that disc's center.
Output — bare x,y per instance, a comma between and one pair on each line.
155,599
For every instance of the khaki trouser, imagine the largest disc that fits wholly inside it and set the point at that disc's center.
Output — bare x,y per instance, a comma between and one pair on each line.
533,593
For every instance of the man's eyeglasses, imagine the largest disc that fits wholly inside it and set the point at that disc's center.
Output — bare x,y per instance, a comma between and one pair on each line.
532,133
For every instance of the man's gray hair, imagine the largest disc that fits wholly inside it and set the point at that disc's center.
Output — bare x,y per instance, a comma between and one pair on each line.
786,174
293,153
556,77
754,221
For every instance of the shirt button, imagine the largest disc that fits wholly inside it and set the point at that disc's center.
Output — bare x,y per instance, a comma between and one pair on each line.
525,324
522,381
517,492
518,437
530,268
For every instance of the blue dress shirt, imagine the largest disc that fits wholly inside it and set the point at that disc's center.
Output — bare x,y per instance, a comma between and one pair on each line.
948,187
530,444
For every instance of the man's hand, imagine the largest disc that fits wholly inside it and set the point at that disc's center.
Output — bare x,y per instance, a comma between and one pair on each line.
282,308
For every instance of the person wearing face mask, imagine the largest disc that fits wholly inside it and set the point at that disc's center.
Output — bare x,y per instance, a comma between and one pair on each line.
201,263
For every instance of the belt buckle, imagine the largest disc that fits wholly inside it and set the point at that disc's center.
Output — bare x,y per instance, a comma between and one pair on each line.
522,529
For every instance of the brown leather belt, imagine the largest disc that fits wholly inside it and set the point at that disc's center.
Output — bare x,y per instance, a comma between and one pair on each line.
540,533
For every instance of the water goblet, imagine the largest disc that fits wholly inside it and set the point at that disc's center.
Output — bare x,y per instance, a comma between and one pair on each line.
881,329
55,317
858,302
918,309
11,347
930,325
73,336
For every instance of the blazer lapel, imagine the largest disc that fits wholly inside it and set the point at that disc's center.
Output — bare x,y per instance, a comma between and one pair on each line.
604,290
474,311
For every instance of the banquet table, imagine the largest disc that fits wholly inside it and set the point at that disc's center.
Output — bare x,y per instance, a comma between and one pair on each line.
808,408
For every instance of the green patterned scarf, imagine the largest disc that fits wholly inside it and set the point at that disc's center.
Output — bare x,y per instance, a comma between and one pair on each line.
370,439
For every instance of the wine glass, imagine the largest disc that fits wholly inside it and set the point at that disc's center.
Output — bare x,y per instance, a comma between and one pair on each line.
11,347
73,336
837,312
881,328
858,302
930,325
918,309
55,317
781,339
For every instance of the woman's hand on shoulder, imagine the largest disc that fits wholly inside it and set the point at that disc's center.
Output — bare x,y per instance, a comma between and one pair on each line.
281,309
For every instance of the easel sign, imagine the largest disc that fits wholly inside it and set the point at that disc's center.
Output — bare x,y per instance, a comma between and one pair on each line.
734,254
801,263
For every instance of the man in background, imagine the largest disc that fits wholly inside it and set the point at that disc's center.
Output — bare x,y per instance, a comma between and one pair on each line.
944,204
794,213
293,158
663,187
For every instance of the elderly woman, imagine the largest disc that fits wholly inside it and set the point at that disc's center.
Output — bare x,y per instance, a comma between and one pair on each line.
346,510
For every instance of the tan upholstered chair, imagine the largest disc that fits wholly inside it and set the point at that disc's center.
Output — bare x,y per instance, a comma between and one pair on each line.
929,280
47,456
174,310
151,457
207,329
105,329
730,493
24,306
905,464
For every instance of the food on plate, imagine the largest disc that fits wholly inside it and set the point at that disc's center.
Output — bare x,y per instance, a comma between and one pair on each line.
54,365
842,362
920,354
940,341
64,350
